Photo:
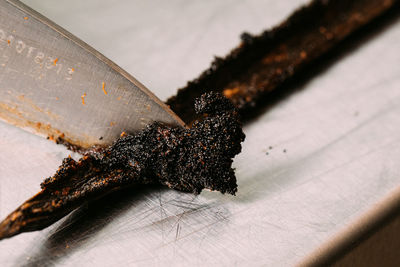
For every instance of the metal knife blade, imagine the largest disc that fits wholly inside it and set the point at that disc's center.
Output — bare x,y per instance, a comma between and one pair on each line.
54,84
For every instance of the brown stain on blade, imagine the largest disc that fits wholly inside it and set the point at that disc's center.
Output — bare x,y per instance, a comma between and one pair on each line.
11,113
26,102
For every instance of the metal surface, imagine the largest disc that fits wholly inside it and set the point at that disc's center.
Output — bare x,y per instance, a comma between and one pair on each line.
334,156
56,85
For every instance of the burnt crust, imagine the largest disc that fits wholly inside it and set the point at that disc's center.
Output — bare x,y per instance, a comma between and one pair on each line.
262,64
189,160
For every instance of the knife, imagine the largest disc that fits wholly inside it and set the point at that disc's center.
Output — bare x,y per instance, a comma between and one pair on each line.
54,84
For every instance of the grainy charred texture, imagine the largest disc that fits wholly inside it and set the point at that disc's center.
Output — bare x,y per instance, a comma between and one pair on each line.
183,159
262,63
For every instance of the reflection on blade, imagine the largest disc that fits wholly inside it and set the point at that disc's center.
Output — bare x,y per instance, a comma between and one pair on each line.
58,86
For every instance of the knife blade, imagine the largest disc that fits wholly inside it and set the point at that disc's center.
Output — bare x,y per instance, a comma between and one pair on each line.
54,84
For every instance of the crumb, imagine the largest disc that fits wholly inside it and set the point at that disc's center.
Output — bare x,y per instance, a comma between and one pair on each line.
103,87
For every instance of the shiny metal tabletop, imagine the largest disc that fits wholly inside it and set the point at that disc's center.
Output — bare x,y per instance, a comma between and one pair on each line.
311,166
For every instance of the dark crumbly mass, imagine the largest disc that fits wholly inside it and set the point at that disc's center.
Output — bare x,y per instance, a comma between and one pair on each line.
261,64
201,157
184,159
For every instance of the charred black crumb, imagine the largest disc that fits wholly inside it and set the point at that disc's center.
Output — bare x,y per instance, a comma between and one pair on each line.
184,159
246,37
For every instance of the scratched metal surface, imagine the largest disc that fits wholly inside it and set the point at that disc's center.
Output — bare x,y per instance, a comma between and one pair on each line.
335,147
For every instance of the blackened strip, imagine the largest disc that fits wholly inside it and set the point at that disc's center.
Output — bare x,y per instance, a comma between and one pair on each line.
261,64
183,159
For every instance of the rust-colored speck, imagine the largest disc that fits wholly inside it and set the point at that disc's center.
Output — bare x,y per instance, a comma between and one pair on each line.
281,57
83,98
8,42
112,123
388,3
228,93
329,36
103,87
26,18
65,191
123,134
303,55
55,61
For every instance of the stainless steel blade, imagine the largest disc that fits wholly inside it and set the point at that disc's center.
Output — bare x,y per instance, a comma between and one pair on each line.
58,86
